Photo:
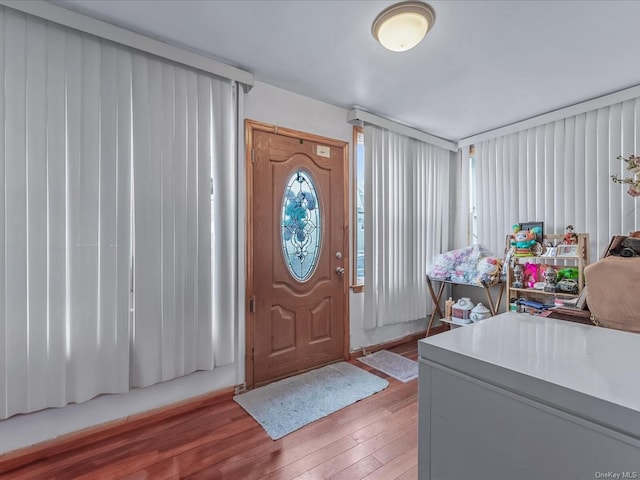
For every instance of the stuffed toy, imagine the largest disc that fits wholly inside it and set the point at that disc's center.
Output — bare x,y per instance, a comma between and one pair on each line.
570,238
532,273
523,240
569,273
473,265
489,269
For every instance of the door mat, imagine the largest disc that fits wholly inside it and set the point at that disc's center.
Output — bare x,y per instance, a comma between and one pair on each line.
284,406
394,365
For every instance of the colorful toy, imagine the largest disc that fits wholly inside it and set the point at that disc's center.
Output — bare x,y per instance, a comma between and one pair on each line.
570,238
489,270
523,240
532,274
473,265
568,273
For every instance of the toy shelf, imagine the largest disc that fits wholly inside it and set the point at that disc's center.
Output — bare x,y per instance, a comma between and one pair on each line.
535,291
578,258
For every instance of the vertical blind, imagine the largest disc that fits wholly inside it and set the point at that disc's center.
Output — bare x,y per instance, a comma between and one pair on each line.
107,156
406,223
559,173
176,136
64,227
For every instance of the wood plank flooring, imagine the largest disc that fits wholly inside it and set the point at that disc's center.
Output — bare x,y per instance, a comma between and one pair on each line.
373,439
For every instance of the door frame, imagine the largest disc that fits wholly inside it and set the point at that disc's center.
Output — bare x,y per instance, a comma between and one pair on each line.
250,127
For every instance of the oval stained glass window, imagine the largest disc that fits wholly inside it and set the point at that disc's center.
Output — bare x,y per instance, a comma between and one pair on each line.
301,225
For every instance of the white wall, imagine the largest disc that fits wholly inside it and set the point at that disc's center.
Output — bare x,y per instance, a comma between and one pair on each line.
276,106
279,107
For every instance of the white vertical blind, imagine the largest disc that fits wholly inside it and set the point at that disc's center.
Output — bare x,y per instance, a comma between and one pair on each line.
406,223
78,117
559,173
181,121
461,204
64,229
226,215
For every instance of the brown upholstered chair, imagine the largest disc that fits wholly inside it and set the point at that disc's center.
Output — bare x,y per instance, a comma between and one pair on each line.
613,293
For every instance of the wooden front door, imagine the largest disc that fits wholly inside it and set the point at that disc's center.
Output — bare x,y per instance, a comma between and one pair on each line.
297,252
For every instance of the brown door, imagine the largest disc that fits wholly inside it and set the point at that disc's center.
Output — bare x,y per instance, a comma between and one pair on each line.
298,255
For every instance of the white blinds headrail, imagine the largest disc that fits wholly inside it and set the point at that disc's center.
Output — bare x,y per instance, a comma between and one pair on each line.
183,124
64,226
559,173
406,223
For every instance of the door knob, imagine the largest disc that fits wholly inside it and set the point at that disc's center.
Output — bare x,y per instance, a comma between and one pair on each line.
340,270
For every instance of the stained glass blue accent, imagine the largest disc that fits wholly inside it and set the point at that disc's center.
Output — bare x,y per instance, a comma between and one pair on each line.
301,225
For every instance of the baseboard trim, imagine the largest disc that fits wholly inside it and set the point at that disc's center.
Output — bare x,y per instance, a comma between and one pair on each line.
23,456
414,337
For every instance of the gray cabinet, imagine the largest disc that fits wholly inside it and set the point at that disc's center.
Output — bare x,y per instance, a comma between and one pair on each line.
516,396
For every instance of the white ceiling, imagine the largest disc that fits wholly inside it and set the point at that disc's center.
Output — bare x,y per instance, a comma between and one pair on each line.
484,64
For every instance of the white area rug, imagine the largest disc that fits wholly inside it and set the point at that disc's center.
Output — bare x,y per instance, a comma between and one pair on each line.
394,365
284,406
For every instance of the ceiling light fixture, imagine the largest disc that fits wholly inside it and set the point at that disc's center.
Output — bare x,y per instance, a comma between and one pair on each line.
403,25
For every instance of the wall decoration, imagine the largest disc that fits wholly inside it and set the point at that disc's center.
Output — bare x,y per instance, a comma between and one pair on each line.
633,165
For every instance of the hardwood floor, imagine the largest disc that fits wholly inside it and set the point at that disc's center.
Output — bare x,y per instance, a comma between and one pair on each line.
375,438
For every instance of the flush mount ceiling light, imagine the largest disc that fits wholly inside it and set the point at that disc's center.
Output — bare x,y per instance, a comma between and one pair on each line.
402,26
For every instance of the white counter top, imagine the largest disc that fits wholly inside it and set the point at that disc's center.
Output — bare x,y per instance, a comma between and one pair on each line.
570,365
